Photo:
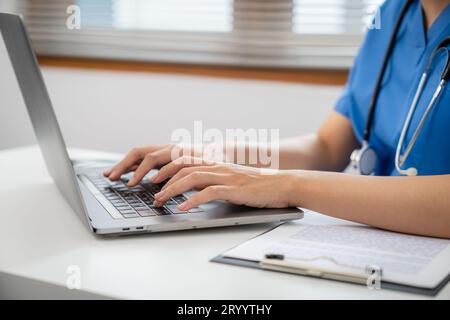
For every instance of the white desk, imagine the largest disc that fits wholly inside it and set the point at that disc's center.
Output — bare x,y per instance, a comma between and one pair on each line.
41,236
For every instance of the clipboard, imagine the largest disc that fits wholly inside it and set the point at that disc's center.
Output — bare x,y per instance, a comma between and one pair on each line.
293,267
384,285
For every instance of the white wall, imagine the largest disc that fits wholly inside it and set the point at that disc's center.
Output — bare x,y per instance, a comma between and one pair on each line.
116,110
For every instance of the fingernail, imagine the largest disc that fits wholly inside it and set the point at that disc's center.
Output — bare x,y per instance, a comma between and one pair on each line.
183,206
156,203
160,194
153,179
107,172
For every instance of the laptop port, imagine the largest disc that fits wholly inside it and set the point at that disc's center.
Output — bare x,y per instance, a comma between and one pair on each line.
125,229
139,228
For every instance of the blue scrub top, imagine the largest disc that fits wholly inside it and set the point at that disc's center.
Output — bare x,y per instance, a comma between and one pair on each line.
414,45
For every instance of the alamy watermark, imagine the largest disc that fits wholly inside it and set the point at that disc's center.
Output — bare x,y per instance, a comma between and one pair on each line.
73,280
73,21
373,19
256,147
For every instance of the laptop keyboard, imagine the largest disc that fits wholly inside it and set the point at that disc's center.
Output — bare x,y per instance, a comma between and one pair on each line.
135,202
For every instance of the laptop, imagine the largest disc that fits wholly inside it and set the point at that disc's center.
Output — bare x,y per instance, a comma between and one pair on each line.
109,208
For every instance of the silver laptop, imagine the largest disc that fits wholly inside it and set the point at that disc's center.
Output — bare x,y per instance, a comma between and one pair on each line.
109,207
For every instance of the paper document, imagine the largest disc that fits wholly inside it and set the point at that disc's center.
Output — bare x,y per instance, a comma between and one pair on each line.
361,246
403,258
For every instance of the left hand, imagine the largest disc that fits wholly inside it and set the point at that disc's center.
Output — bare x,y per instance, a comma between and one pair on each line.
224,181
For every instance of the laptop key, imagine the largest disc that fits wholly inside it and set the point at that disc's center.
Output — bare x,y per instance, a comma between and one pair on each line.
117,185
174,209
149,202
127,211
117,202
180,198
130,215
123,207
163,212
146,213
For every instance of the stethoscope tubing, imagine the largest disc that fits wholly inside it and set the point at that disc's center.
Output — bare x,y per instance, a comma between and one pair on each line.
367,154
400,158
430,106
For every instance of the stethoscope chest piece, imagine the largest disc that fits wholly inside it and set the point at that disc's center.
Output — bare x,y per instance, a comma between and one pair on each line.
364,160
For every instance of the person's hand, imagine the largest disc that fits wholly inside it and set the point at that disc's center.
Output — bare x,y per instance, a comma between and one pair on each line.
224,181
141,161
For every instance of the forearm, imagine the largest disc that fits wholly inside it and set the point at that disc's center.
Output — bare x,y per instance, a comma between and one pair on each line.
304,152
307,152
417,205
328,149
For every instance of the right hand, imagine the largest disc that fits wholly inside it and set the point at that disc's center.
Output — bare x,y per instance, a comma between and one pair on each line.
143,159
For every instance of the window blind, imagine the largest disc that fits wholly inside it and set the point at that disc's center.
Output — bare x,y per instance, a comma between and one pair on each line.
268,33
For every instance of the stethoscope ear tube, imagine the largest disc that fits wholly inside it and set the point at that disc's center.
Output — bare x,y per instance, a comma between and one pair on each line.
402,158
399,159
445,75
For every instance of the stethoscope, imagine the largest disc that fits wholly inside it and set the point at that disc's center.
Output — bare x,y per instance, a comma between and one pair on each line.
365,159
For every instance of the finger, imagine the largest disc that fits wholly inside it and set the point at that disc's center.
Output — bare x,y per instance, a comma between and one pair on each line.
173,167
184,172
132,168
132,157
208,194
194,180
150,161
135,153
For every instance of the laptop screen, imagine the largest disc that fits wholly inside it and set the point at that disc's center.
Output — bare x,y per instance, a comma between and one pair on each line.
15,44
15,126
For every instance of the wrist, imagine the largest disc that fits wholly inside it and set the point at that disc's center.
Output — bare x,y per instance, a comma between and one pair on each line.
294,183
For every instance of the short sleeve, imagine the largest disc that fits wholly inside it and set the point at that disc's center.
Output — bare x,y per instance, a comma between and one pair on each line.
345,102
